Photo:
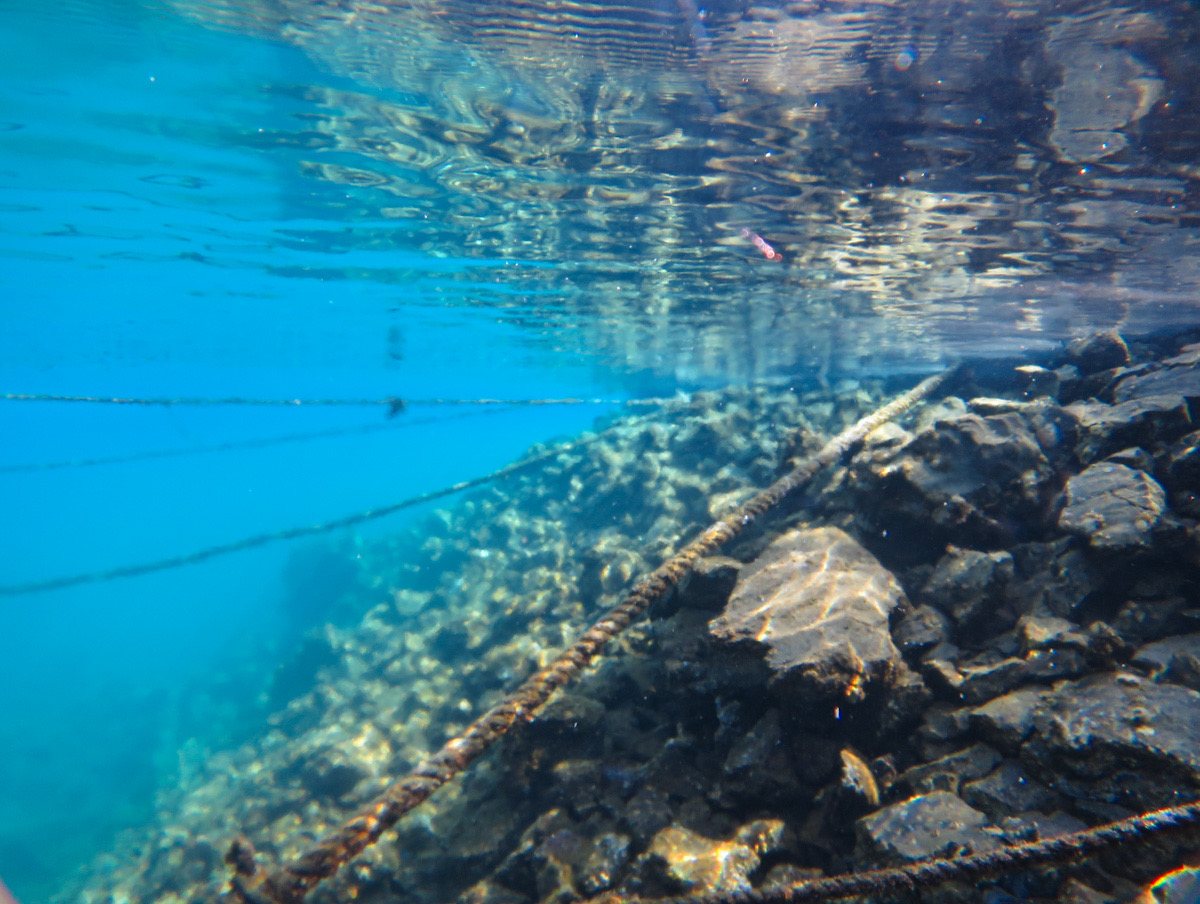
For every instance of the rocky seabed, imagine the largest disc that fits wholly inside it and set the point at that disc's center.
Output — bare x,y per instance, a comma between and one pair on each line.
981,629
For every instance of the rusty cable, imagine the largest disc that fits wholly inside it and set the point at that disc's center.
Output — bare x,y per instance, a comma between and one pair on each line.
289,883
1072,846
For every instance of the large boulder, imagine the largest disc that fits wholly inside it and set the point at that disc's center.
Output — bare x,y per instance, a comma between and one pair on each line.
817,604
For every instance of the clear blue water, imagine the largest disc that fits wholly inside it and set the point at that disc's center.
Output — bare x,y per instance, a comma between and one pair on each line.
297,201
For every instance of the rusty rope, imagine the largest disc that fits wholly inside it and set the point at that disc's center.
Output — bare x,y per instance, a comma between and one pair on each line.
290,882
1058,849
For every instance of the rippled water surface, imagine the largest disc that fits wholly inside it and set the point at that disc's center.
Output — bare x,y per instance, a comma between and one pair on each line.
712,192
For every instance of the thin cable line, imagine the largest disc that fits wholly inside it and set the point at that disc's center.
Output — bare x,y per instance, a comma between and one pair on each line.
394,404
236,445
128,571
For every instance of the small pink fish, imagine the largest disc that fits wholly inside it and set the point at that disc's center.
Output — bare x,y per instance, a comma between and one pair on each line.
761,244
6,896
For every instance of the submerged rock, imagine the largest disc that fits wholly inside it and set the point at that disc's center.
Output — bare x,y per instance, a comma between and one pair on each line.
973,481
1176,659
680,860
1120,739
969,585
1115,507
1179,377
938,824
819,604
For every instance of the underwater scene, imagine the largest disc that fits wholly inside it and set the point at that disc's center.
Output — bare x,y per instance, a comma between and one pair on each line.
545,451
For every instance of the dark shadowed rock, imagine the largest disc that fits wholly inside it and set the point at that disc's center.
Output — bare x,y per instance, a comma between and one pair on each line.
949,772
1180,472
1007,721
1116,508
711,581
967,584
819,605
1105,429
1175,659
932,825
757,766
921,629
969,480
1052,578
325,774
1007,791
1118,738
1179,376
1101,351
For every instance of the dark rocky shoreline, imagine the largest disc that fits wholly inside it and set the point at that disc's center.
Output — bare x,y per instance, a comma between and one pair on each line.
990,634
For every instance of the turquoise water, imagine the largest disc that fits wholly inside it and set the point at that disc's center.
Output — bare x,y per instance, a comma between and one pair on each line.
484,201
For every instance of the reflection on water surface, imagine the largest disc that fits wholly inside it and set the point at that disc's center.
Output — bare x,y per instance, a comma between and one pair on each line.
985,173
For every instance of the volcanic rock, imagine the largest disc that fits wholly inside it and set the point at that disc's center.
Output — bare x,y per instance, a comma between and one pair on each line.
1116,508
967,584
684,861
1007,721
1105,429
1175,659
949,772
1179,376
1120,739
1007,791
1100,351
818,603
973,481
932,825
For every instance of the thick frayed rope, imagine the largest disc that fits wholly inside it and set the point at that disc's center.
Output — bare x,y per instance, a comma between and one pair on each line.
289,883
1071,847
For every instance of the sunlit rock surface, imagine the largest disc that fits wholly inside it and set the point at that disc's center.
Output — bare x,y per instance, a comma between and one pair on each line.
819,603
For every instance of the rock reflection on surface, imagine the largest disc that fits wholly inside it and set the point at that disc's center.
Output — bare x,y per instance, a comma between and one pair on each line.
920,171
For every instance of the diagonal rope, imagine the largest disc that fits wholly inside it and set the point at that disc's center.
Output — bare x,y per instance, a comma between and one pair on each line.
290,882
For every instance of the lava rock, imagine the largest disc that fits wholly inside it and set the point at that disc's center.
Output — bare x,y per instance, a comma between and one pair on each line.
967,584
1175,659
1101,351
1105,429
1180,473
710,582
757,766
819,604
1007,721
683,861
327,774
1179,376
608,858
1119,739
969,480
949,772
1007,791
1116,508
921,629
938,824
1053,578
